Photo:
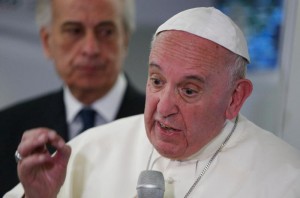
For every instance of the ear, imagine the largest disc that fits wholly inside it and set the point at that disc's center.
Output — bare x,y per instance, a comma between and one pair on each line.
45,40
126,43
241,92
126,39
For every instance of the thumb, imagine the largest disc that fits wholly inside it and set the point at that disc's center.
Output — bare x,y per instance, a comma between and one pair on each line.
62,155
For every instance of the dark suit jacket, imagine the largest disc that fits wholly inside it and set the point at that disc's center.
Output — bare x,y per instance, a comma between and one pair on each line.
45,111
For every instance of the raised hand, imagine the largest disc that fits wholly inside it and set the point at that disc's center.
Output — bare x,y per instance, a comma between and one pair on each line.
41,174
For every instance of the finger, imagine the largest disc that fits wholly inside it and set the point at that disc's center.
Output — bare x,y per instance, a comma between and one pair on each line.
55,140
33,140
32,162
37,160
62,155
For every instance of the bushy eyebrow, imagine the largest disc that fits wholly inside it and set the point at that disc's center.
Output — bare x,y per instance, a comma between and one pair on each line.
195,78
78,23
154,65
70,24
189,77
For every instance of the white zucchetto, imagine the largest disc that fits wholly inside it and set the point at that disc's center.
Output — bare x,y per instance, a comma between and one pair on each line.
211,24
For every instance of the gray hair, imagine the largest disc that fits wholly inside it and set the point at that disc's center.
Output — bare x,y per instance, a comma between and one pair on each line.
237,68
44,14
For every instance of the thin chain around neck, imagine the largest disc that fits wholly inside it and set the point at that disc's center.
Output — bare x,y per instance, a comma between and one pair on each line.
211,159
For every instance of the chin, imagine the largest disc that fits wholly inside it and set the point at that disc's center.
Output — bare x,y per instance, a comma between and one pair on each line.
169,150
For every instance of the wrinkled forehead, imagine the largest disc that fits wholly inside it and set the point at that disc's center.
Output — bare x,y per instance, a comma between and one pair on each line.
184,48
93,8
90,14
181,57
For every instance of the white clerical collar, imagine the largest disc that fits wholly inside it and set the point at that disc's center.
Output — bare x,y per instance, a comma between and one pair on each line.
207,151
107,106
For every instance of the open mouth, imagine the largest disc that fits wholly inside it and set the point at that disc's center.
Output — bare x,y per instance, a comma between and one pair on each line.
166,127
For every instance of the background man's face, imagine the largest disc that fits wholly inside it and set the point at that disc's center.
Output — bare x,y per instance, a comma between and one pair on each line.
87,43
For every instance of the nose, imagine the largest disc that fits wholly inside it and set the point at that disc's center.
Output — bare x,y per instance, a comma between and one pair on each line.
90,46
167,104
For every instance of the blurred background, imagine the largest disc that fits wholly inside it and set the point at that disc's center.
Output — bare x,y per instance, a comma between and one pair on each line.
272,28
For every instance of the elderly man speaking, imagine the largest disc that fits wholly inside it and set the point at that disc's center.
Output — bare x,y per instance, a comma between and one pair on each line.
191,132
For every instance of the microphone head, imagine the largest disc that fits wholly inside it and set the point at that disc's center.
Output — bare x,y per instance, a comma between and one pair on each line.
151,184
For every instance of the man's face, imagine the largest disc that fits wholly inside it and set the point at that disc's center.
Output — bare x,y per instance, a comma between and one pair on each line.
187,92
87,43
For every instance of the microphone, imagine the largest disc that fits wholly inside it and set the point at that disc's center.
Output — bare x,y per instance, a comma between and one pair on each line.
151,184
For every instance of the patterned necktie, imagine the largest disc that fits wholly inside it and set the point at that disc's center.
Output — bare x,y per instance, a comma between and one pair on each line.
87,116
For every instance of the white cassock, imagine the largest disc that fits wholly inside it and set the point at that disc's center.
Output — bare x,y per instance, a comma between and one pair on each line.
106,162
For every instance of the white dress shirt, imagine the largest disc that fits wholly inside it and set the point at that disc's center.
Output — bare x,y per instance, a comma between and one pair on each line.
106,107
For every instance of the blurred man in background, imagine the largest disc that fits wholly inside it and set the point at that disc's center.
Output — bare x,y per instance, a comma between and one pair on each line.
87,43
